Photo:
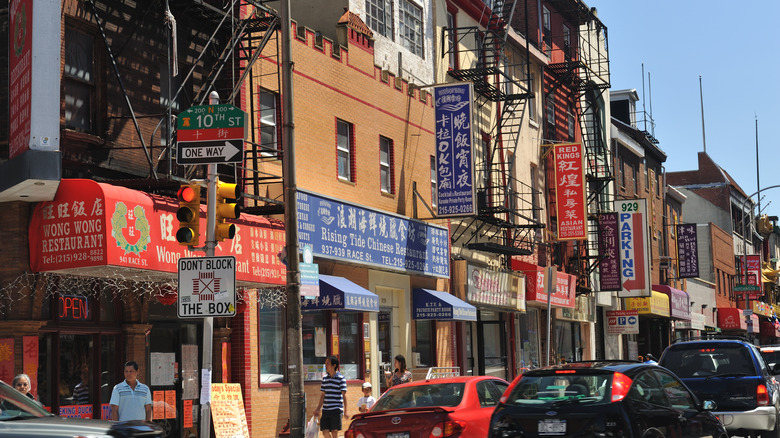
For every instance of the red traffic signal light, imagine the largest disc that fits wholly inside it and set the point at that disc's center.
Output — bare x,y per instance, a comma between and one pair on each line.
188,215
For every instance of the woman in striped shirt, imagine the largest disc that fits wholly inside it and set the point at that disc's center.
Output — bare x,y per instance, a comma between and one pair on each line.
333,400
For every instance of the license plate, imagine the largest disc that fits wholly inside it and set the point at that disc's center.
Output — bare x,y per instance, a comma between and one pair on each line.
552,427
398,435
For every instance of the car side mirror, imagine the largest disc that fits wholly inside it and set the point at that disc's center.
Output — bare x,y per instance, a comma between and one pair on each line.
709,405
775,368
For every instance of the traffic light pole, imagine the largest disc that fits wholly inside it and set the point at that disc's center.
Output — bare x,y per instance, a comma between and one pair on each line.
208,322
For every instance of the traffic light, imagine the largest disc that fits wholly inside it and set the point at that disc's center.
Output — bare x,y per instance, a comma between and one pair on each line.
227,208
188,215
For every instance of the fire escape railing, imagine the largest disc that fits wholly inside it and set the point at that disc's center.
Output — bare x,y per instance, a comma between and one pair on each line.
508,209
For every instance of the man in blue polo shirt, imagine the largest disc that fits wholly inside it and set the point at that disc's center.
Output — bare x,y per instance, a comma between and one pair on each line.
131,399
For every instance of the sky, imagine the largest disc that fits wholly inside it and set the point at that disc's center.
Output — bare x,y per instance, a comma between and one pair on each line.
734,50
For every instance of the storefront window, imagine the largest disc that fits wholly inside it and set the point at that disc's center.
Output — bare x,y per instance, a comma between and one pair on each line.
567,341
350,333
424,346
271,345
315,345
528,339
76,375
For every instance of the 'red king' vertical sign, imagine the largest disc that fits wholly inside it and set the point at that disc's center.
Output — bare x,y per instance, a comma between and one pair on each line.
571,207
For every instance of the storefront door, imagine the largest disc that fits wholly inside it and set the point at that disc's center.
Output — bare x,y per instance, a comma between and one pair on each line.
492,331
384,330
174,359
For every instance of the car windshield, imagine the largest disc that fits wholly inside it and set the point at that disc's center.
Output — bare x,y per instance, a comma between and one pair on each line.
402,397
709,361
558,389
14,404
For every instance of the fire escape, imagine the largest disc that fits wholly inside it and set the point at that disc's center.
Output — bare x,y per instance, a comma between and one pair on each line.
242,32
507,209
582,71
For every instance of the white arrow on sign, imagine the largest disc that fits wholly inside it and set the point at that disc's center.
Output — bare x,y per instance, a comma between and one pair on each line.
205,152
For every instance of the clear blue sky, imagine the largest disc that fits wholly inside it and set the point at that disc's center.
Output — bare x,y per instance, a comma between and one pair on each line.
734,48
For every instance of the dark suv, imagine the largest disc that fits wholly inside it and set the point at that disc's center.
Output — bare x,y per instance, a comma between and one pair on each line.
731,372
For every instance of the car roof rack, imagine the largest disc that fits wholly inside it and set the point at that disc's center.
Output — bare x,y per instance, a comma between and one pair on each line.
712,336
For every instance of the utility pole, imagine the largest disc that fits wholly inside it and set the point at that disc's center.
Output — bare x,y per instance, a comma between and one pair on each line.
297,396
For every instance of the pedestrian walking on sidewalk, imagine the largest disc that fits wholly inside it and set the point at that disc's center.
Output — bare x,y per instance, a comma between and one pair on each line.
333,399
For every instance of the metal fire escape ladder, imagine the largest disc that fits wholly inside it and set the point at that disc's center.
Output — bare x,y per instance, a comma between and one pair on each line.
507,207
249,37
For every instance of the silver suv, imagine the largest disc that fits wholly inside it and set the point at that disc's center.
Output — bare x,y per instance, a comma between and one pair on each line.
732,373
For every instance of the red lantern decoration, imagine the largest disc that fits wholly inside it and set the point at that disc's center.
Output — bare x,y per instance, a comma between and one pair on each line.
167,295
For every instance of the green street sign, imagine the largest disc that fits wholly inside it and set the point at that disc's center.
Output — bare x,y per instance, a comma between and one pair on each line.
211,122
746,288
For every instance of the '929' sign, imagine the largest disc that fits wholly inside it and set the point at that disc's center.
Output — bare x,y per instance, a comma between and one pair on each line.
73,308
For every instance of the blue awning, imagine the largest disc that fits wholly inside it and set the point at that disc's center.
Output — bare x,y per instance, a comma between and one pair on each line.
338,293
431,304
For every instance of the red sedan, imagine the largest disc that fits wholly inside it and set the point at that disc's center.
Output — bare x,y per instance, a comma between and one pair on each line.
434,408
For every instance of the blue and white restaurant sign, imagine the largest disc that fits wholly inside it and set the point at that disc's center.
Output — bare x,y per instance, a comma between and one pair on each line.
352,233
454,150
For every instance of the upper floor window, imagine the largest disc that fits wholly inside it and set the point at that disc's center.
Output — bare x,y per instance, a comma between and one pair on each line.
386,165
379,16
269,127
79,81
532,99
452,39
346,150
567,41
570,124
634,180
547,29
411,28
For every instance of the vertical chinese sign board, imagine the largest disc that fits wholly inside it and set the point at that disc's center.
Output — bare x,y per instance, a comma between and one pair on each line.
634,248
454,150
609,263
227,409
571,208
687,251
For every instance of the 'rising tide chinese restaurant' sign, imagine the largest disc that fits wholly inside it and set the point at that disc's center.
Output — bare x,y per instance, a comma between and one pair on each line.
454,150
571,208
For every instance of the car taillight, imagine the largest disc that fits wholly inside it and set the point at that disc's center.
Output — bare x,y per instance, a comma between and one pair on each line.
620,386
762,396
448,428
353,434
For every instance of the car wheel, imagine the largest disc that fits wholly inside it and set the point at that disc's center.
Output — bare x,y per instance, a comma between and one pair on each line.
652,433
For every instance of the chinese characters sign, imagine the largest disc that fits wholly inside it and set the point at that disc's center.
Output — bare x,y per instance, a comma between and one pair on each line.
227,409
687,251
634,248
749,281
609,269
343,231
34,67
570,202
454,150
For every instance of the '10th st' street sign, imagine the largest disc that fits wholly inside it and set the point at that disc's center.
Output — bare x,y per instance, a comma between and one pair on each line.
209,134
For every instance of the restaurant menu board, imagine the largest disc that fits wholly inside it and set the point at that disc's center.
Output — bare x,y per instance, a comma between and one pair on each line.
227,410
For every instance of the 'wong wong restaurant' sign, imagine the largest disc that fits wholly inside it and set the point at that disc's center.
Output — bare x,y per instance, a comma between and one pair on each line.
90,226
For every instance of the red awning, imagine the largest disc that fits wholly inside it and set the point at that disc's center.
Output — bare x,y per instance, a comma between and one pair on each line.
565,289
768,329
730,318
90,226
